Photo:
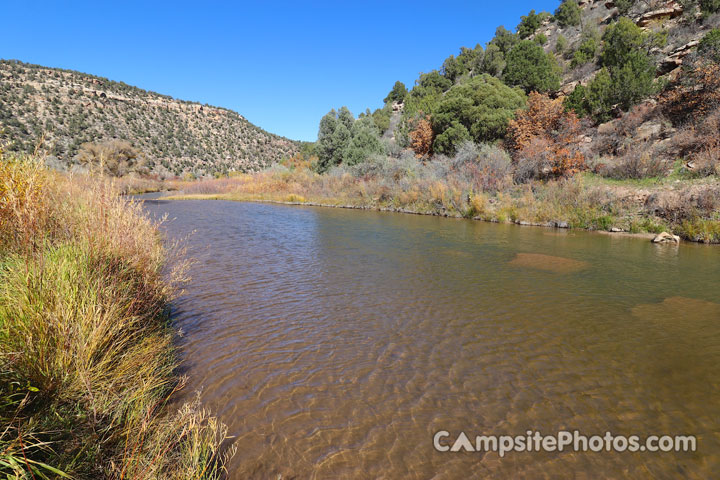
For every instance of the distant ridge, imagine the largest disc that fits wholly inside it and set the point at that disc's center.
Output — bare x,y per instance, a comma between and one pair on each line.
176,137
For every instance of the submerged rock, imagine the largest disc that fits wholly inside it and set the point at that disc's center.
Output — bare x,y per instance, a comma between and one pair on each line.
548,263
678,308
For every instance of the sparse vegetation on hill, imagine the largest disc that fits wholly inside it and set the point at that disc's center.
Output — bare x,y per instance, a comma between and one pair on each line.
66,109
609,100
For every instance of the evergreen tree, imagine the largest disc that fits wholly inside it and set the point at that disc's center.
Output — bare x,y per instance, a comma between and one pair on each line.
529,67
568,14
483,105
365,141
397,94
333,138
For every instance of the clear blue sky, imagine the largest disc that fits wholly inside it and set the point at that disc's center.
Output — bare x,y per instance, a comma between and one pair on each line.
280,64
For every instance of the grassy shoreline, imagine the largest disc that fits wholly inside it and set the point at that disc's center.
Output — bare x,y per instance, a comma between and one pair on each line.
88,364
582,202
249,199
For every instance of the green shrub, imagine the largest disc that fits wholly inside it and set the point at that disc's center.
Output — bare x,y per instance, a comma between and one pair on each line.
561,44
381,117
494,61
529,67
587,48
364,142
483,105
530,23
568,14
452,137
624,6
709,6
709,47
628,75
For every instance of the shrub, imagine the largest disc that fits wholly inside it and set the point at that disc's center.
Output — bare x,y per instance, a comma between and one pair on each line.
709,6
483,106
113,157
568,14
624,6
622,40
530,23
587,48
494,60
86,353
628,75
706,162
422,137
561,44
529,67
623,87
495,168
636,165
544,137
696,97
533,160
364,141
381,117
709,46
452,136
468,152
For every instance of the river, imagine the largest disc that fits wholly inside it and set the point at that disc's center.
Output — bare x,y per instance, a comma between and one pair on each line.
336,343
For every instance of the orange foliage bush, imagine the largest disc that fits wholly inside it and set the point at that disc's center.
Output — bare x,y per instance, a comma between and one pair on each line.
546,123
421,138
541,117
299,161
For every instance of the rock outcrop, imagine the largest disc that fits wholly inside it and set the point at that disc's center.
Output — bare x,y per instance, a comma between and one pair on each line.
672,10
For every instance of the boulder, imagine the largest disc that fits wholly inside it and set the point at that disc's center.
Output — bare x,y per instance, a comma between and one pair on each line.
648,130
665,237
607,128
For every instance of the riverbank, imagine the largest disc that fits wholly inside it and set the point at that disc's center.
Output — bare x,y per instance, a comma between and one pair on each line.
688,208
88,365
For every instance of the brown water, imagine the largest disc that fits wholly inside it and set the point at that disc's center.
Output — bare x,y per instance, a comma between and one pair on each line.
335,343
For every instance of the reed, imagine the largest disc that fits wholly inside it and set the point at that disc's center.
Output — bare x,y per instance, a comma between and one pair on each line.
87,358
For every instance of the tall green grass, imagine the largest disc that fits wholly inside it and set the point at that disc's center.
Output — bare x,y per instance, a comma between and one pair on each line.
87,363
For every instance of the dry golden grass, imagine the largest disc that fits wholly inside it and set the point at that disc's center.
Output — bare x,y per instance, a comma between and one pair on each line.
582,201
87,362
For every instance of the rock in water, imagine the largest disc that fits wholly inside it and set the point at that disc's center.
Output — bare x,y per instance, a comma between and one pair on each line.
665,237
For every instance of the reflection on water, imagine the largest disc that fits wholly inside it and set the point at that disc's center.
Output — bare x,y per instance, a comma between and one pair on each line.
336,343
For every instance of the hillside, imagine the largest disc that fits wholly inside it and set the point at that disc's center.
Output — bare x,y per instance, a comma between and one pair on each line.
601,115
559,54
175,137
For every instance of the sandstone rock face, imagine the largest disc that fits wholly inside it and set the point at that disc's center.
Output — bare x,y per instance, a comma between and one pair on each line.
665,237
675,59
673,10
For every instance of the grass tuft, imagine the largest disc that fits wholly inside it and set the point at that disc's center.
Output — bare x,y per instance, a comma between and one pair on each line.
87,362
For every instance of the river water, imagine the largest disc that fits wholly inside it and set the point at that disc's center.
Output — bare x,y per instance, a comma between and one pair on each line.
335,343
